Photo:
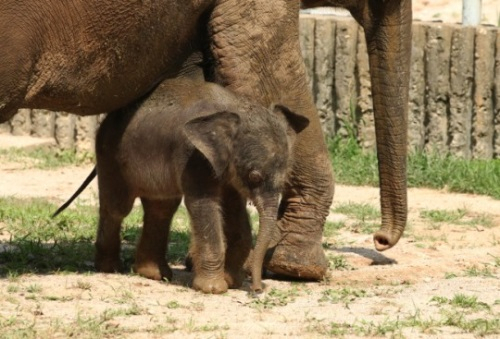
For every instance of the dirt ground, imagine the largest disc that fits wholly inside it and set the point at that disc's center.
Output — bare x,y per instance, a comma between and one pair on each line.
368,291
405,291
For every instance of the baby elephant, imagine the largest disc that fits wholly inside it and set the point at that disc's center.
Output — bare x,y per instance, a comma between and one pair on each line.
200,141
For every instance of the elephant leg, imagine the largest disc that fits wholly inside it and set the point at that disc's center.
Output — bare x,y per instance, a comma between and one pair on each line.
207,244
115,203
305,204
111,215
150,261
297,248
238,233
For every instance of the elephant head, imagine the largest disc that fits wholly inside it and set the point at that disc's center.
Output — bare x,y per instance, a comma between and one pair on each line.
251,152
387,26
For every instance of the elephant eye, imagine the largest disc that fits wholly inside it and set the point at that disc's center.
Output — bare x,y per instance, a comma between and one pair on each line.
255,177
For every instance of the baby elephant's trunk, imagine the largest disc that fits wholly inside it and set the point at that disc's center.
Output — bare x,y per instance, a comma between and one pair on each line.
268,212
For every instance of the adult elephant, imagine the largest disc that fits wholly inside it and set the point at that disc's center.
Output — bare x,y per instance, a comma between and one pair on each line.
94,56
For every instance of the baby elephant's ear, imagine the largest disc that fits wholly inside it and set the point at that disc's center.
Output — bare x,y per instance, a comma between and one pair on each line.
213,136
296,121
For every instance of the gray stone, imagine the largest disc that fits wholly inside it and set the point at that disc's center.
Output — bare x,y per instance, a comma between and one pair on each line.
307,25
345,79
324,70
65,130
496,137
461,85
21,122
364,107
5,128
42,123
482,114
437,62
416,108
86,128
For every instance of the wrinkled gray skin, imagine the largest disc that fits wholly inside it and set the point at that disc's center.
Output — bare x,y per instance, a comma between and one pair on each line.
94,56
200,141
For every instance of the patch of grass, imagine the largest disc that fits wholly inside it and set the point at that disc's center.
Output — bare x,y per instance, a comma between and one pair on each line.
338,262
496,260
173,304
361,212
443,215
46,158
41,244
474,271
393,328
449,275
344,295
332,228
458,217
83,285
274,298
367,217
34,288
477,326
462,301
354,166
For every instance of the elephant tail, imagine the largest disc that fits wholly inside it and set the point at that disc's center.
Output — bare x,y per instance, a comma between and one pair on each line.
80,189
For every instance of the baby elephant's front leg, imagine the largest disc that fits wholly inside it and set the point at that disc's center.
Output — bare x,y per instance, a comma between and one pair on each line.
207,246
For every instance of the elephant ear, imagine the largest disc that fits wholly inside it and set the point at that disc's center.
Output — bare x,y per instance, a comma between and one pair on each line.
296,122
213,136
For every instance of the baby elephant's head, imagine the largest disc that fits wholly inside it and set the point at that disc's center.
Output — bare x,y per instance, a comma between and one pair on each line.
252,151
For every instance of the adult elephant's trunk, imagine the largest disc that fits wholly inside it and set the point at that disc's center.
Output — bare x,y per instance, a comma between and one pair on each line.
268,215
387,26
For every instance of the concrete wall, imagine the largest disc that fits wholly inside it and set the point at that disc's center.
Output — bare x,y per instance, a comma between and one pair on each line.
454,89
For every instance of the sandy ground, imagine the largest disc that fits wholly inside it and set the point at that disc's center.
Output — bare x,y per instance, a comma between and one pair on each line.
380,289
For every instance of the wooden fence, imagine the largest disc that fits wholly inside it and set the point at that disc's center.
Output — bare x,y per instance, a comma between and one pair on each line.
454,90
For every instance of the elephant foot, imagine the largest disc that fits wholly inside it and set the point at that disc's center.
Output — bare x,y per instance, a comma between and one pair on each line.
105,264
188,262
234,278
298,258
153,270
210,285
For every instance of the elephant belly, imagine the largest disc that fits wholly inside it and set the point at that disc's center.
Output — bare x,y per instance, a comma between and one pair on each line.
153,183
100,55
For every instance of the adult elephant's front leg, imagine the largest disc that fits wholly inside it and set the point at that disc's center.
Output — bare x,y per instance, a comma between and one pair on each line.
305,205
260,58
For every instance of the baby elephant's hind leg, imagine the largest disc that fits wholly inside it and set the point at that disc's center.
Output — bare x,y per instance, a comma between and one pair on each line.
150,261
115,203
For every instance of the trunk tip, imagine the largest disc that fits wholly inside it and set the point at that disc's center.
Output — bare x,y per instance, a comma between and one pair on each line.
384,240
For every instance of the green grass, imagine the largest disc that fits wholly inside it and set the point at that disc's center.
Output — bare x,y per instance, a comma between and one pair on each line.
41,244
46,157
367,217
275,297
458,217
354,166
462,301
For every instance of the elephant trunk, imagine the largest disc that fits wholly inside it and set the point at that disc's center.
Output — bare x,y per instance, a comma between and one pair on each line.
388,36
268,218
